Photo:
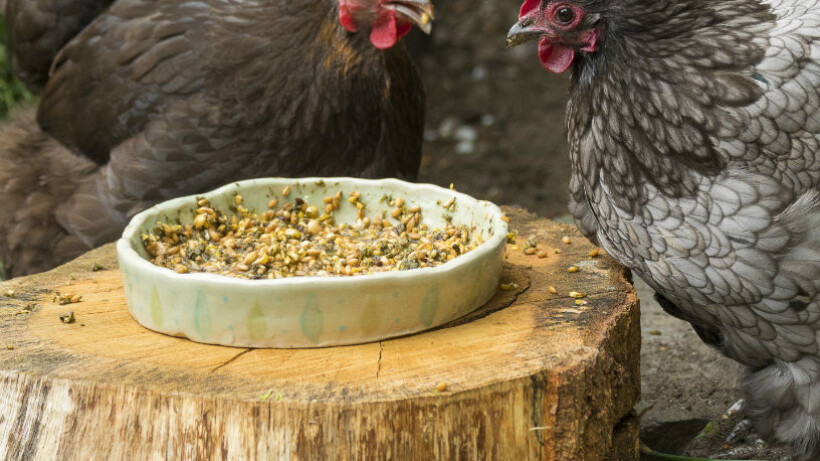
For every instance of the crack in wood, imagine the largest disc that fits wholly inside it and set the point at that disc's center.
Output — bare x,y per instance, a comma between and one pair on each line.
231,360
379,364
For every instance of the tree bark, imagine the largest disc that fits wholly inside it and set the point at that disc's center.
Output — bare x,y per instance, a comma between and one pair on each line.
531,375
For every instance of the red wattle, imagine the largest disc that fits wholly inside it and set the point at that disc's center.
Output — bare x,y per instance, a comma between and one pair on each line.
385,33
555,58
403,28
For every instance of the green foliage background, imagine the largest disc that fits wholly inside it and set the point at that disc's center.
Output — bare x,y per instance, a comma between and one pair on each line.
12,91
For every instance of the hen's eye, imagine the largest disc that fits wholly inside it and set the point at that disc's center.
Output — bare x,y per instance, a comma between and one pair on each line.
564,15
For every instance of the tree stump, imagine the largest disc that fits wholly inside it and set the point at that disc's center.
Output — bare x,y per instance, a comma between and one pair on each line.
531,375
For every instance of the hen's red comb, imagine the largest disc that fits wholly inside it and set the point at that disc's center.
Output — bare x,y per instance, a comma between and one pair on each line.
528,6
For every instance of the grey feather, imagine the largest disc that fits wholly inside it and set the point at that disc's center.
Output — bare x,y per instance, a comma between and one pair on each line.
694,134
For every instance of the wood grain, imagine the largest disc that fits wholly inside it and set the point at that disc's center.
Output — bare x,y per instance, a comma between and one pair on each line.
531,375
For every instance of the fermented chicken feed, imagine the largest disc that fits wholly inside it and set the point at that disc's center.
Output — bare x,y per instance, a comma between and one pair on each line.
299,239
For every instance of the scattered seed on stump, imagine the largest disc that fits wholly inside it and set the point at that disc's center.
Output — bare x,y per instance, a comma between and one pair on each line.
68,317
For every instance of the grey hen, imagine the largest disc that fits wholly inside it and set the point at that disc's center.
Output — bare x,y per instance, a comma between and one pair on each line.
176,97
694,130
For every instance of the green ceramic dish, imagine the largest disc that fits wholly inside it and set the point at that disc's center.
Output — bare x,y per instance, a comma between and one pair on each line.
313,311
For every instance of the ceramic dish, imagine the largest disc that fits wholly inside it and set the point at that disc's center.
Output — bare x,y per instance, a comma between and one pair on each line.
313,311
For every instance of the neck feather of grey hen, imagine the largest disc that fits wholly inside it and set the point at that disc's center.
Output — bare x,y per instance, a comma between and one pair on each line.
651,104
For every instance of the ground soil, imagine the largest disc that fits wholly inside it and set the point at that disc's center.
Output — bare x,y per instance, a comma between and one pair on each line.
495,128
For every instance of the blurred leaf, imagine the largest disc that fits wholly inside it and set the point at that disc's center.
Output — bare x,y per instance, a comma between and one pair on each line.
12,91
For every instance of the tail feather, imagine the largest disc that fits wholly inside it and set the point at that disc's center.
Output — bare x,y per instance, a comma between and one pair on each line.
37,174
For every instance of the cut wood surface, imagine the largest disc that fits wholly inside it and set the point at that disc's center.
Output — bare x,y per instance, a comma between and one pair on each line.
530,375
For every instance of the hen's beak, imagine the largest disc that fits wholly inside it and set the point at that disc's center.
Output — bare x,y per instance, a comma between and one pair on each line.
418,12
520,33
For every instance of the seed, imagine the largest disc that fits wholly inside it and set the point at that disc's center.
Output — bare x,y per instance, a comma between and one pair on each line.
395,213
201,221
293,240
576,294
441,387
566,240
263,260
9,293
286,191
529,251
314,227
505,218
557,251
552,290
237,199
509,286
572,269
67,317
594,253
414,221
75,299
10,347
249,258
542,254
449,203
